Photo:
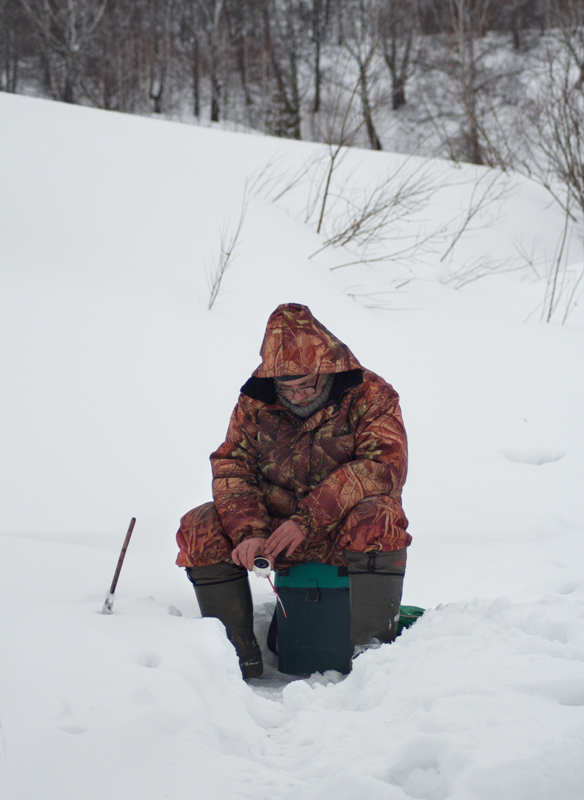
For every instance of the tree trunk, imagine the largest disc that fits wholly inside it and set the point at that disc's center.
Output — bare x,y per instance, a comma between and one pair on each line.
474,145
157,98
266,61
11,61
398,75
366,108
288,112
68,95
196,68
398,92
215,96
242,63
316,35
317,77
11,72
294,105
217,57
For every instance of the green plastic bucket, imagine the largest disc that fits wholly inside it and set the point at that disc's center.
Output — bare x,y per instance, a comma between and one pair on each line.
314,636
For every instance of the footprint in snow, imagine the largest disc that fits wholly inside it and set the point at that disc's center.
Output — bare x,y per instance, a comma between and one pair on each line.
536,457
149,659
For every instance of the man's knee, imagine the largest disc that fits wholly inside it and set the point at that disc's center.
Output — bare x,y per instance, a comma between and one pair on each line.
203,516
376,523
201,538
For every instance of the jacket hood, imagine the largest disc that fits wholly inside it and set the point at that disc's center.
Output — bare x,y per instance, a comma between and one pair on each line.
296,343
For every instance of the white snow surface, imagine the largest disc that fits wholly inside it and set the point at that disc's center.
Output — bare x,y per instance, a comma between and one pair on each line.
117,383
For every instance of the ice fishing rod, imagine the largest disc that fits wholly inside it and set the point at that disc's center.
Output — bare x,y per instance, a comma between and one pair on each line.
262,568
108,606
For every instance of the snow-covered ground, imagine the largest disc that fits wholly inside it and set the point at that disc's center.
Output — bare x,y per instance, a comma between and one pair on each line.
117,382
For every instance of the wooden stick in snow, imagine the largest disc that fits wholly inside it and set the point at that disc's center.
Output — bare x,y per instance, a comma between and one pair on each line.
108,606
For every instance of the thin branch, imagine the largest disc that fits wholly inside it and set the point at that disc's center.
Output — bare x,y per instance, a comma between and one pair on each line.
228,244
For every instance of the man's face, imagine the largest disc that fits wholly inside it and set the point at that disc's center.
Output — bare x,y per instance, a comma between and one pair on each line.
301,391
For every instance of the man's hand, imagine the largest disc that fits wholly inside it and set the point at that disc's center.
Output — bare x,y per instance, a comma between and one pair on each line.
287,535
244,553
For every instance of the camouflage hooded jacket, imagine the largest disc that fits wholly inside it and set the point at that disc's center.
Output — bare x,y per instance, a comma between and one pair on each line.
314,471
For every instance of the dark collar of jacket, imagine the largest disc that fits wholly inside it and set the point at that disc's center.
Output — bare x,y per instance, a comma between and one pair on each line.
264,389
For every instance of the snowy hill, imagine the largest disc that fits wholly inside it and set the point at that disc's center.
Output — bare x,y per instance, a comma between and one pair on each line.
118,382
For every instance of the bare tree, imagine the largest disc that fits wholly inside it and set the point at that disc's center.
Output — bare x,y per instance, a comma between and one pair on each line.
398,28
215,30
556,136
290,67
64,29
551,130
363,45
566,25
467,75
320,16
191,50
286,26
16,43
244,21
160,47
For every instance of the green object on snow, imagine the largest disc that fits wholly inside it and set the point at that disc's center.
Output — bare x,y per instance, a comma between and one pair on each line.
315,634
318,576
407,616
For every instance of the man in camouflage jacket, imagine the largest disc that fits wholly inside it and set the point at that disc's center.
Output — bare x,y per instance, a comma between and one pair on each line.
312,469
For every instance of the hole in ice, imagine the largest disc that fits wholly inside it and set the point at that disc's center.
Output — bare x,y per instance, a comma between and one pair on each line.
149,659
535,457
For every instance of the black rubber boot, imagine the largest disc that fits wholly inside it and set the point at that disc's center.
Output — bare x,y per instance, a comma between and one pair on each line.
223,592
375,589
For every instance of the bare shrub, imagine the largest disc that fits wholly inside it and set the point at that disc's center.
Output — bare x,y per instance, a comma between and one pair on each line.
229,238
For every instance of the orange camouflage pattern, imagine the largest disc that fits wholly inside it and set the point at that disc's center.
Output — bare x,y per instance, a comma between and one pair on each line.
295,343
338,474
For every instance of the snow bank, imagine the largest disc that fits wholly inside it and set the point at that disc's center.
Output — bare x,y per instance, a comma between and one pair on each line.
480,699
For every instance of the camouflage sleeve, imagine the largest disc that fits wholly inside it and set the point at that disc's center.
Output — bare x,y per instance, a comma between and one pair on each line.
379,466
238,499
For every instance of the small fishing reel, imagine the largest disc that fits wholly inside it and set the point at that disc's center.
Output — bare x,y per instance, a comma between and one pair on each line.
261,566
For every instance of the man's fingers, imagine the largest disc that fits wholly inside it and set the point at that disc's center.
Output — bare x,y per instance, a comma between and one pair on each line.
249,554
275,549
241,556
284,542
276,544
287,536
244,554
293,545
